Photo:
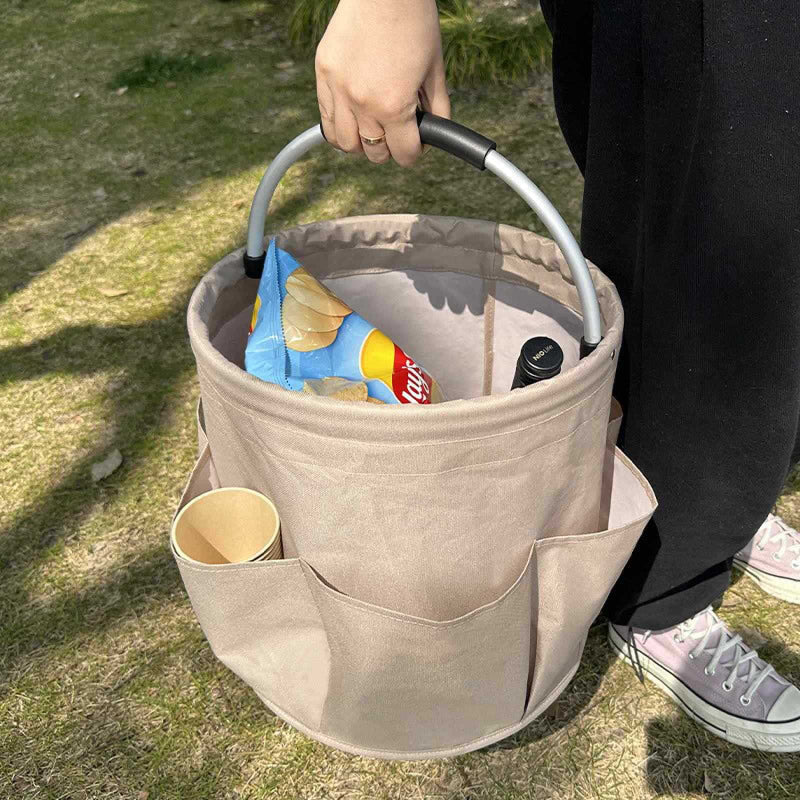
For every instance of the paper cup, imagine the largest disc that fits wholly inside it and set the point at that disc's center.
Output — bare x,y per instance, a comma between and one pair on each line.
227,526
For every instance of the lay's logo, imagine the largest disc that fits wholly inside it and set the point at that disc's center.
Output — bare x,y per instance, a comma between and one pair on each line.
410,383
381,359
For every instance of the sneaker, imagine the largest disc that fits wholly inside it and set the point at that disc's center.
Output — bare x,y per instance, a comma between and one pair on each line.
772,559
717,679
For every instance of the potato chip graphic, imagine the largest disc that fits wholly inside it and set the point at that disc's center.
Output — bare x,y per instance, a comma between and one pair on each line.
304,338
333,386
305,341
305,318
306,289
355,391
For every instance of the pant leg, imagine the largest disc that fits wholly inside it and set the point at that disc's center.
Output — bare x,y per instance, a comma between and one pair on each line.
686,126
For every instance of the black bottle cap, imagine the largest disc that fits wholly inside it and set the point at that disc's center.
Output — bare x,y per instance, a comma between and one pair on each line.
540,358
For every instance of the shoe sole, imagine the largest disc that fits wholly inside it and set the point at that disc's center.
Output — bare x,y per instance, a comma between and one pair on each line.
782,588
771,737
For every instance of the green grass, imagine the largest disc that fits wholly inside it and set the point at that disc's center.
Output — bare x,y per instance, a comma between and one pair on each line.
154,68
107,687
309,18
491,48
480,47
308,21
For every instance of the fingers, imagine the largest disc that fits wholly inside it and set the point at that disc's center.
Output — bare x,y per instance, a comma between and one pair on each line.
434,92
346,125
343,131
338,121
377,153
325,102
402,137
345,121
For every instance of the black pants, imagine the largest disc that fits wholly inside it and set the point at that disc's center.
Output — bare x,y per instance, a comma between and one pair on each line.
684,117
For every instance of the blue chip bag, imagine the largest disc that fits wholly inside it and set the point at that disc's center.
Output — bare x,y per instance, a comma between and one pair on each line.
300,331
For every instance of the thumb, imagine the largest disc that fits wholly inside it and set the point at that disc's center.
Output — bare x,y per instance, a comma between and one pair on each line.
433,92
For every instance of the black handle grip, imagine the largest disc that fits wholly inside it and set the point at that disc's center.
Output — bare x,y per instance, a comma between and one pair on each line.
453,138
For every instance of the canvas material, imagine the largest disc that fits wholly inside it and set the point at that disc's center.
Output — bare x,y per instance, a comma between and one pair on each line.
431,516
372,681
531,460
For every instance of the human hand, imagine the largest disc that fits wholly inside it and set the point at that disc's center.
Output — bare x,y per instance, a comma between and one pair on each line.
377,60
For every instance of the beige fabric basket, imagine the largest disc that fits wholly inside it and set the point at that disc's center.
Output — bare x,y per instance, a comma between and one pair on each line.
442,563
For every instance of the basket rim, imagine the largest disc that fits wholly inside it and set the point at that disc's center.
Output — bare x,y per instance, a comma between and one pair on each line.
552,396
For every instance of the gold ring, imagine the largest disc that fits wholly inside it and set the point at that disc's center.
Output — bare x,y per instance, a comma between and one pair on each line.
371,140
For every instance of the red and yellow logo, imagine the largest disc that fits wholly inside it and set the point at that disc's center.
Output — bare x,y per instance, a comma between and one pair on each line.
383,360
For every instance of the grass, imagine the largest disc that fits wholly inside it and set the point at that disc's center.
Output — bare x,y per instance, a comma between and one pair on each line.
308,21
107,687
309,18
481,45
154,68
481,48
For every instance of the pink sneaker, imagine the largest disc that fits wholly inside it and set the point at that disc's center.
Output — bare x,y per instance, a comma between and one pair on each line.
717,679
772,559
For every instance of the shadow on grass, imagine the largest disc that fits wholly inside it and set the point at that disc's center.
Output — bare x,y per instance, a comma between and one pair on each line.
140,350
113,125
154,357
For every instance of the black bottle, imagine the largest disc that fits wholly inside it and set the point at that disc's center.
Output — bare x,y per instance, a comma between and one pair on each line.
539,359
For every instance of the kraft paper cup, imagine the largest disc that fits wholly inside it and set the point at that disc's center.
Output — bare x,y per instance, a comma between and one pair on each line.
227,526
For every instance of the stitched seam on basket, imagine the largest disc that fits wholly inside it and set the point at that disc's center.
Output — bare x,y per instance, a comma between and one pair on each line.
575,538
271,563
447,624
443,471
594,536
354,602
209,385
505,252
648,490
253,416
489,334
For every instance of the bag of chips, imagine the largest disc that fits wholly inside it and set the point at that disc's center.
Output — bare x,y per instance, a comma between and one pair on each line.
302,333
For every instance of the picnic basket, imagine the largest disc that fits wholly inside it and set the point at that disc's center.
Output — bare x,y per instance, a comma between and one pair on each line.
443,563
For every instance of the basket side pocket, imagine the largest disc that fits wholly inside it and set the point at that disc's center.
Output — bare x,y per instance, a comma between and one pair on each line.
261,621
575,575
403,685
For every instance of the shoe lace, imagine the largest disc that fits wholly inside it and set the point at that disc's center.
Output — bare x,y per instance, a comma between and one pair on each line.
775,531
755,670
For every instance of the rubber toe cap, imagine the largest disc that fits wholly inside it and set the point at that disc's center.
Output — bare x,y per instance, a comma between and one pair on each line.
786,707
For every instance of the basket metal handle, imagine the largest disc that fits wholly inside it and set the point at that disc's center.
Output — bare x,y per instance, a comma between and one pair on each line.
476,150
